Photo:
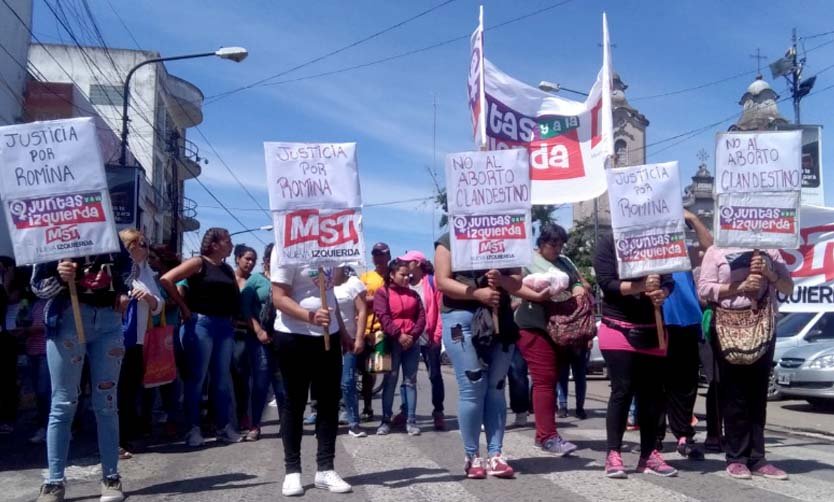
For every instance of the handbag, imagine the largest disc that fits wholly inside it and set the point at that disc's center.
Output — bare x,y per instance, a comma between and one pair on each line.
379,360
570,323
158,353
744,335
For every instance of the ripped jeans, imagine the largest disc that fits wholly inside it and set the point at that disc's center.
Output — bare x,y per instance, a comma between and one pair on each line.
104,348
480,389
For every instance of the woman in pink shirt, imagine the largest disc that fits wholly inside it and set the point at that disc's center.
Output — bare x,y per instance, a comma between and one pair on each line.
734,278
403,320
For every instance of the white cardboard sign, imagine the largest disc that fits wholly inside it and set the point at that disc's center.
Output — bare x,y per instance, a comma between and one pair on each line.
54,191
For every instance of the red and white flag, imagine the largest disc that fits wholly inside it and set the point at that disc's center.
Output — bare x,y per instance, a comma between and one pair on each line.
568,141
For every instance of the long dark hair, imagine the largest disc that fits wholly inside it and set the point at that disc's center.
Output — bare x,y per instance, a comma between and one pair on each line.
242,249
550,233
211,236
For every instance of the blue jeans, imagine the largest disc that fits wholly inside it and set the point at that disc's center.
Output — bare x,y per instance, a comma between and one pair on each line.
519,384
481,390
349,396
41,384
576,359
65,355
265,373
408,360
208,342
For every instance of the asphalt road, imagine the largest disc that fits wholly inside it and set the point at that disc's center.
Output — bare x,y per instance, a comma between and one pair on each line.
428,467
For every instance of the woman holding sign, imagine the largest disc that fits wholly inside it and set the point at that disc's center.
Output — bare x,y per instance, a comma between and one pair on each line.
211,303
629,343
300,322
480,357
102,294
743,283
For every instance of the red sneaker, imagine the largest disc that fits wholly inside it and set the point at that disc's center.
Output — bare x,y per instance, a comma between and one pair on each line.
655,464
614,467
497,466
738,470
770,471
474,468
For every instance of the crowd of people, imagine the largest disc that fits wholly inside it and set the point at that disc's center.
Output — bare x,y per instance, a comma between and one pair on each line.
242,336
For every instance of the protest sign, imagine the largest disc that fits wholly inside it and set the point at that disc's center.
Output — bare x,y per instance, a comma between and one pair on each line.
54,191
488,196
812,264
758,179
312,175
647,219
567,141
316,203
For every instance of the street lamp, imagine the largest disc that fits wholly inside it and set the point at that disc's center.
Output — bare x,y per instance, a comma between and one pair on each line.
236,54
554,88
264,228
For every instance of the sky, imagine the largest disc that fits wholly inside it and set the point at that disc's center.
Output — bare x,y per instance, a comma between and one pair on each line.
408,112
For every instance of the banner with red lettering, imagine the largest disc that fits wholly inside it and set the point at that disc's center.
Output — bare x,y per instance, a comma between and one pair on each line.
488,196
812,264
758,180
568,141
54,191
647,219
316,203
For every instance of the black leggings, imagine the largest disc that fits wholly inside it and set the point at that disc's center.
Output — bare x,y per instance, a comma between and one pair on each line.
634,374
304,362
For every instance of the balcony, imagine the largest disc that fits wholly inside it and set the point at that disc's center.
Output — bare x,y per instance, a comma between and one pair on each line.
190,161
184,102
188,221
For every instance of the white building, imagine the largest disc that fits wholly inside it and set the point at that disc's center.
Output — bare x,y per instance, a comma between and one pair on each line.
14,40
161,108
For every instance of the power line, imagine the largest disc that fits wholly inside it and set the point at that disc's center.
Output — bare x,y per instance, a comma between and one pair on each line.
337,51
217,97
809,37
694,88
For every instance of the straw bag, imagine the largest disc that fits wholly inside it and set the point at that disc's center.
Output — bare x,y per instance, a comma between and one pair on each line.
744,335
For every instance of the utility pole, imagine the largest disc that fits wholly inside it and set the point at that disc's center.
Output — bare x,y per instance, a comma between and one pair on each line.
174,149
797,72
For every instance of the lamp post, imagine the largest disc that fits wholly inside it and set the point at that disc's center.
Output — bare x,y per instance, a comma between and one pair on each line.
236,54
264,228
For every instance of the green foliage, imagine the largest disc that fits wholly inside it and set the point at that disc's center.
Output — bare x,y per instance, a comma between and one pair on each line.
580,248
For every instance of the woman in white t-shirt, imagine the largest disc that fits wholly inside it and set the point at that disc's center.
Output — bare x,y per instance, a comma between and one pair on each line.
301,321
350,294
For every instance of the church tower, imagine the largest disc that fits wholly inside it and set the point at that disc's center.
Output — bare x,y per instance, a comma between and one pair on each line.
629,150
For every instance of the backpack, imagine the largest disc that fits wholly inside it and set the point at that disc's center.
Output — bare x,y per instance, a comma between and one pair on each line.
570,323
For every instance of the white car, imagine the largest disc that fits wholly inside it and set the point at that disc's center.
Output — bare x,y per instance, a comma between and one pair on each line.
795,330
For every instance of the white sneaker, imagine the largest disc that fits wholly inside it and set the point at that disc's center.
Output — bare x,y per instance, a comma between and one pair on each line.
521,419
292,485
39,437
194,437
273,403
228,435
330,480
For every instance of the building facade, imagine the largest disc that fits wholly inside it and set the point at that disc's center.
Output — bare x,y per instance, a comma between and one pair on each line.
161,108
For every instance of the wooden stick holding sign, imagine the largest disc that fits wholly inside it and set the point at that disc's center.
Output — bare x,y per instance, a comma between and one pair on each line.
323,297
658,320
754,302
76,312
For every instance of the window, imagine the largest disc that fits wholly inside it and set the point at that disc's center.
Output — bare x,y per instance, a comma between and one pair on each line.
792,324
106,95
620,153
824,328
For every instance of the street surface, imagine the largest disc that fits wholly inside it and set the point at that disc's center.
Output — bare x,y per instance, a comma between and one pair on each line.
429,467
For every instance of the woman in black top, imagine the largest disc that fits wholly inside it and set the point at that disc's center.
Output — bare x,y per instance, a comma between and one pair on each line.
628,342
211,303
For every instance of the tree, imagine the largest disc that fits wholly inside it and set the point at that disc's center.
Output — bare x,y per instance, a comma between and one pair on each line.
580,248
543,214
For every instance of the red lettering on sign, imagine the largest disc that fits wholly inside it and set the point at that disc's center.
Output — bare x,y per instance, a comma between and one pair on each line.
491,247
62,234
815,255
326,230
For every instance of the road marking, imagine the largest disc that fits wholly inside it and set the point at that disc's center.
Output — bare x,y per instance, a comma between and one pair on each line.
392,468
591,484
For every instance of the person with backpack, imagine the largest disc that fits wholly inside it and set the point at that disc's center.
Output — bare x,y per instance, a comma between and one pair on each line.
480,358
537,346
258,313
102,295
211,303
403,320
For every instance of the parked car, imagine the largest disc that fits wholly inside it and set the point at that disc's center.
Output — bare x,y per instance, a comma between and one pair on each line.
796,330
596,363
807,372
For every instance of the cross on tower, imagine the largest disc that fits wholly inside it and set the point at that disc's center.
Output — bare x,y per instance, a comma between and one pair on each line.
759,58
703,156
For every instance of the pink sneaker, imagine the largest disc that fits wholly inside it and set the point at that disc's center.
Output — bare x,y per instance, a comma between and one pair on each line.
655,464
738,470
770,471
474,468
614,467
497,466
